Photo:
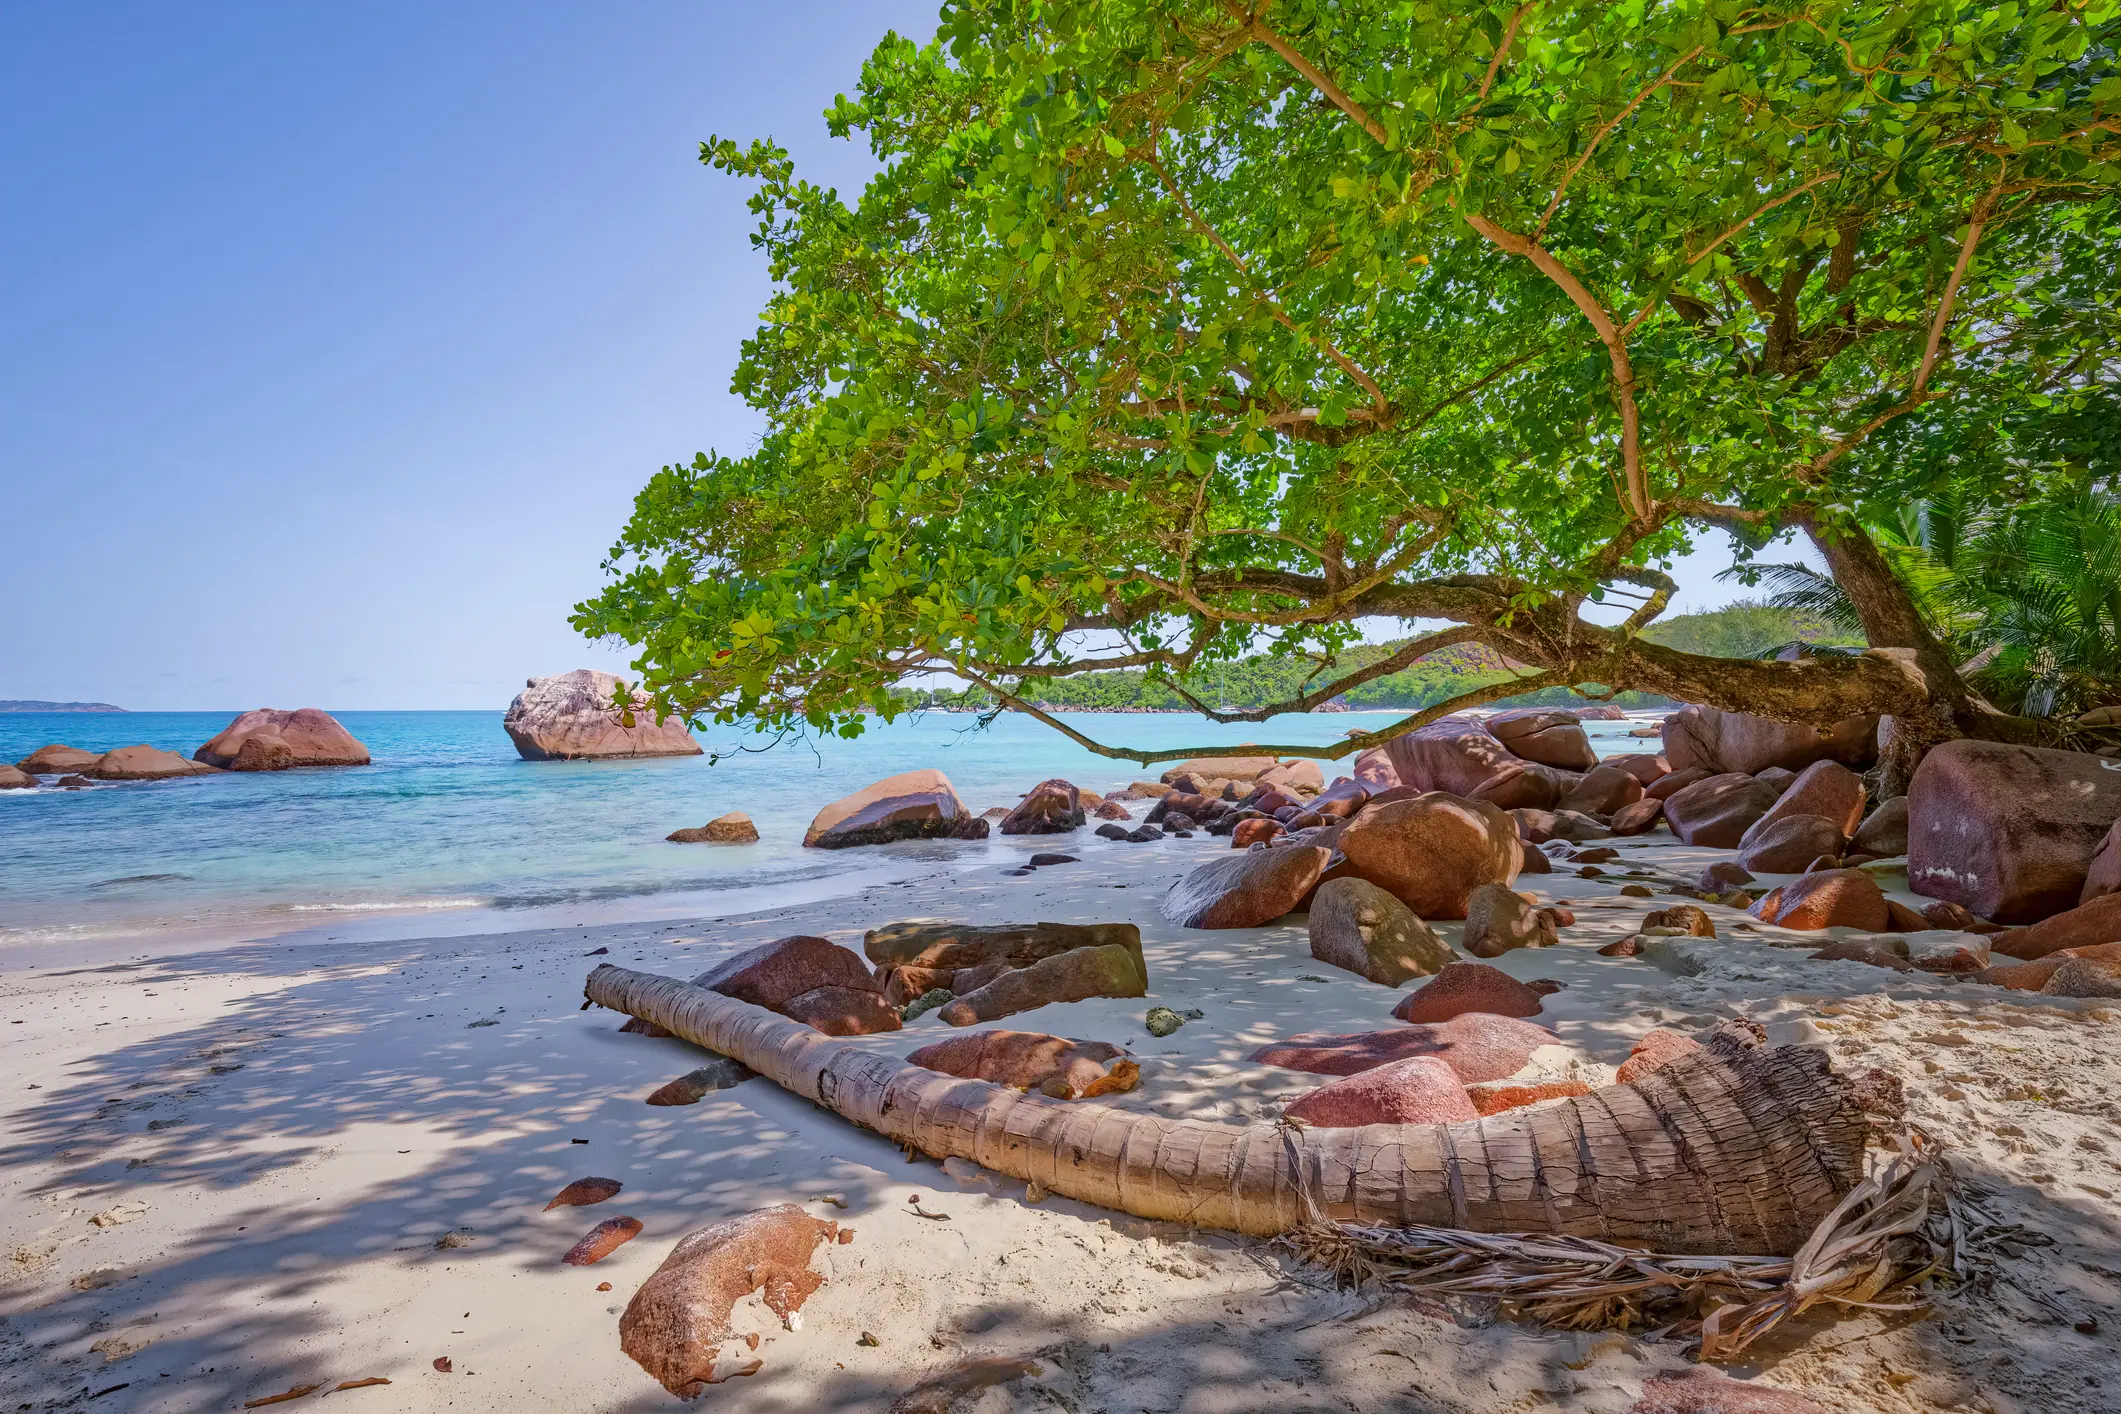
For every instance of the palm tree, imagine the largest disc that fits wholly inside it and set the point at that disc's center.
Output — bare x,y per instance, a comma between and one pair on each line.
2028,596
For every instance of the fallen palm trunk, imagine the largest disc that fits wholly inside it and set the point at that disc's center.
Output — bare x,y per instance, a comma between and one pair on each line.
1890,1231
1733,1148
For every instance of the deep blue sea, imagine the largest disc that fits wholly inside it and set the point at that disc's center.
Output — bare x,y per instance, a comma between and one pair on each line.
450,825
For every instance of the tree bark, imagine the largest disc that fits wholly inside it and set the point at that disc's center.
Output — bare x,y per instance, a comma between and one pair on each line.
1731,1149
1892,619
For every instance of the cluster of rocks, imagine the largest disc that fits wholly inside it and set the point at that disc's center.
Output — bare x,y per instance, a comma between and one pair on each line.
968,974
269,739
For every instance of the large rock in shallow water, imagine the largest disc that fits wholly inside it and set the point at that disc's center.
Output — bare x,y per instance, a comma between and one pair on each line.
1245,890
1052,808
14,779
1478,1045
915,805
1450,755
1718,811
144,763
806,979
572,717
1431,852
271,739
1736,741
58,760
733,828
1358,926
2008,831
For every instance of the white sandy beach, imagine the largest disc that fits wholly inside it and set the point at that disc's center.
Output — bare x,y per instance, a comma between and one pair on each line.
226,1170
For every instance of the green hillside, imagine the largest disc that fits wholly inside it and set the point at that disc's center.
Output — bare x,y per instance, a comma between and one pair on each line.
1743,629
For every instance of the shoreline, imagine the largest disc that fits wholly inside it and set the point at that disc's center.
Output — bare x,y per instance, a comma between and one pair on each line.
241,1155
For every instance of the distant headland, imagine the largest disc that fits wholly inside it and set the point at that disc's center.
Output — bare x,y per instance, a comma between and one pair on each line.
20,705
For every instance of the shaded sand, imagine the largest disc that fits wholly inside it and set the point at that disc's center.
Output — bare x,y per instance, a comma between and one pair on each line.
224,1174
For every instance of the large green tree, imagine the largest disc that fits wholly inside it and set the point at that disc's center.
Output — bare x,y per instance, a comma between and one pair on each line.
1171,329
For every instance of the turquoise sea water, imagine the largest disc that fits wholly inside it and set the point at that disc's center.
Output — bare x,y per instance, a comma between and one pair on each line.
448,821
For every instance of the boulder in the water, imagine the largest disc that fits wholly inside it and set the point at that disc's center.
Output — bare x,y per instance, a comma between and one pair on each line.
271,739
145,763
58,760
576,716
913,805
1053,807
733,828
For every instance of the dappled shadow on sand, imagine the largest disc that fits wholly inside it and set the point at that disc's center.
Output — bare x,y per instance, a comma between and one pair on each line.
299,1155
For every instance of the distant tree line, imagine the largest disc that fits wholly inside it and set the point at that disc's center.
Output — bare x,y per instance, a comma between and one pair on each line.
1744,629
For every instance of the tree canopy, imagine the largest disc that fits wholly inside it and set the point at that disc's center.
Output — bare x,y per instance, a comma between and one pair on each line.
1174,329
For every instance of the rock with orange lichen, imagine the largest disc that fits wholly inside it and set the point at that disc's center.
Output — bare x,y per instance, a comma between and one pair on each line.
1654,1052
678,1322
1493,1099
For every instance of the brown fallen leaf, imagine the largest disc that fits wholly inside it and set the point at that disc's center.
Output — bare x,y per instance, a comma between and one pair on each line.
585,1191
442,1364
603,1286
296,1393
602,1240
360,1384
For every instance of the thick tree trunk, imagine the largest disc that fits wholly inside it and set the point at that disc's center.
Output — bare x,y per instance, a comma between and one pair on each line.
1892,619
1733,1149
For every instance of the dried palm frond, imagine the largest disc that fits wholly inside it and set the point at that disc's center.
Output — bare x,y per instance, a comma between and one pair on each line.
1891,1231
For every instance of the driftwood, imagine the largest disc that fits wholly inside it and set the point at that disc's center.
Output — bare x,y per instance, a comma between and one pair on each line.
1733,1148
1889,1233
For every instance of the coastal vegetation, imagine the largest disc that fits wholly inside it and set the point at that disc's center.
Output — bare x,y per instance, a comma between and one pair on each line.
1742,630
1169,335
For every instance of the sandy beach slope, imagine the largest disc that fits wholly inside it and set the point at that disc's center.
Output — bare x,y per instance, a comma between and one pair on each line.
225,1173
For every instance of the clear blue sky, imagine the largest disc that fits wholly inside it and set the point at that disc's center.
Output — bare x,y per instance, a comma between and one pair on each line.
339,337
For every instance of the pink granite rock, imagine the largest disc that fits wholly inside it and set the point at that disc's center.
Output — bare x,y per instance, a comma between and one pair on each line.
911,805
1478,1045
1416,1090
574,717
303,737
1463,987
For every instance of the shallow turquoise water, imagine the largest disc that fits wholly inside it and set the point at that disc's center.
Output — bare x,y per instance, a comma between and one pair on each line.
449,818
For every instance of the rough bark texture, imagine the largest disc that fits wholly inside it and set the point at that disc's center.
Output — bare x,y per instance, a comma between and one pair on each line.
1734,1149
